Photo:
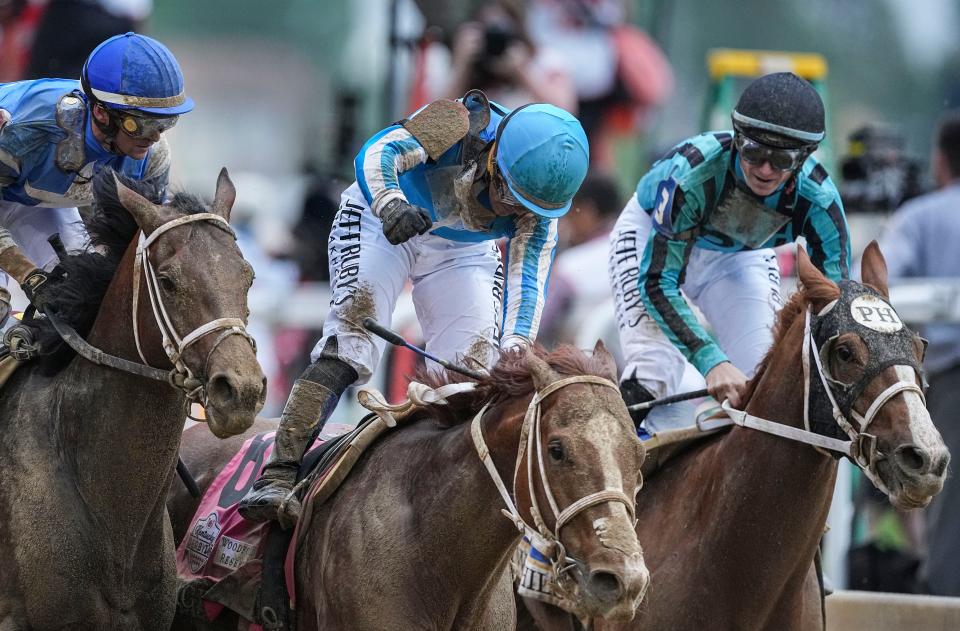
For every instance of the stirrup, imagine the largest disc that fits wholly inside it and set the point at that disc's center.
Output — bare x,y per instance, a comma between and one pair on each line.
273,500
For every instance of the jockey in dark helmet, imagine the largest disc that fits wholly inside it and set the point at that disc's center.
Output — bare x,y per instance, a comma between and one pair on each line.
706,217
55,134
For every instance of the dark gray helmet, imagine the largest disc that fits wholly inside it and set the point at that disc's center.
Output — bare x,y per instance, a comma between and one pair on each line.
781,110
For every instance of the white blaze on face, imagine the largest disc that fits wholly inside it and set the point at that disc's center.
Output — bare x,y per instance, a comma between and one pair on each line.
605,434
924,433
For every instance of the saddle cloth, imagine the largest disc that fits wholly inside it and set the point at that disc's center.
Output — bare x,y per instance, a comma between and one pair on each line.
222,553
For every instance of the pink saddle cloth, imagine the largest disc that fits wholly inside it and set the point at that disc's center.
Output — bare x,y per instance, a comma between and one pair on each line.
221,543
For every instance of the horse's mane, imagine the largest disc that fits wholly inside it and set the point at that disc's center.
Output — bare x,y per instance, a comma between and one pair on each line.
87,275
510,377
817,291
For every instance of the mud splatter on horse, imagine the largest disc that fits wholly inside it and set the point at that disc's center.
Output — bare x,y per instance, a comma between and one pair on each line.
89,451
415,538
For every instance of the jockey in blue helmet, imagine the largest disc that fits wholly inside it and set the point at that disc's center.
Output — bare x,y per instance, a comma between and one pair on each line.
432,194
55,134
135,86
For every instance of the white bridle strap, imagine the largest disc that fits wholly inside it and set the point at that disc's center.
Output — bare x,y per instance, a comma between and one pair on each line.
530,443
476,432
741,418
173,344
820,442
883,397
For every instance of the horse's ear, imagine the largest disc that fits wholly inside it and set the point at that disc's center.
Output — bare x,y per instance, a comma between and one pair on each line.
873,269
225,196
145,212
820,288
543,375
601,353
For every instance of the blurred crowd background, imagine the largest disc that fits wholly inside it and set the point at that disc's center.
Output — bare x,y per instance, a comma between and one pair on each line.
288,90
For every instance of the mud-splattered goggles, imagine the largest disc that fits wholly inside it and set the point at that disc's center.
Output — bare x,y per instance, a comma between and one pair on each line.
757,153
139,126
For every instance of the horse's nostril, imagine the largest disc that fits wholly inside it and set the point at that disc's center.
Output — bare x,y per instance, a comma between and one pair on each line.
911,459
220,390
941,465
605,586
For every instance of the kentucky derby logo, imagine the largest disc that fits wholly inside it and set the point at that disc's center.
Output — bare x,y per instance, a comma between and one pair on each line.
201,540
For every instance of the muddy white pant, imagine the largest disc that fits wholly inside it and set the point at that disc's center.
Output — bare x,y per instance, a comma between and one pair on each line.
457,290
738,294
31,226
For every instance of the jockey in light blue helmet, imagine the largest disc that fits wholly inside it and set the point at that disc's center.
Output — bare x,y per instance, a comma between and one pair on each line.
542,154
138,83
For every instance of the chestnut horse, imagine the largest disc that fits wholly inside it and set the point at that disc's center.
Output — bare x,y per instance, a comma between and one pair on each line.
731,527
89,451
416,537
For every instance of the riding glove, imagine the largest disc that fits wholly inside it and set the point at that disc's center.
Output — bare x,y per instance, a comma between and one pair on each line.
39,290
402,220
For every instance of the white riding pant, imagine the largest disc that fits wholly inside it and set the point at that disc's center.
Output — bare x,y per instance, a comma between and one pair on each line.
738,293
457,290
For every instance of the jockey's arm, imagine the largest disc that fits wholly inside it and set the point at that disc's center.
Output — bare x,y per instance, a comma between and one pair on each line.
530,252
828,240
380,162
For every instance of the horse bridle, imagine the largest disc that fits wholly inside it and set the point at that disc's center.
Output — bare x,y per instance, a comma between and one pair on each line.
174,345
861,448
530,441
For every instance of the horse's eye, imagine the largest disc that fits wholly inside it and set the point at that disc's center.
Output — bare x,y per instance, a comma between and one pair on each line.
844,354
167,285
555,449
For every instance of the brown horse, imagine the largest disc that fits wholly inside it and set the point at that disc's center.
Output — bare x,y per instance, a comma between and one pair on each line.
89,451
731,527
416,539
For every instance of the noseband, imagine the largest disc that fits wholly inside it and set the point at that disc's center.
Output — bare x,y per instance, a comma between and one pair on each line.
530,442
174,345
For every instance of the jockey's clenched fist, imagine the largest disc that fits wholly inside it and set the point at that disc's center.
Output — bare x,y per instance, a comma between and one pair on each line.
402,220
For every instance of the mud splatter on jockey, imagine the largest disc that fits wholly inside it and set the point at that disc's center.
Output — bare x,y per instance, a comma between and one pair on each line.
705,218
432,194
55,134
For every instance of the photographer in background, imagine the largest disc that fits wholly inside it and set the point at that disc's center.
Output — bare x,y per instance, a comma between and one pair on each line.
495,54
878,174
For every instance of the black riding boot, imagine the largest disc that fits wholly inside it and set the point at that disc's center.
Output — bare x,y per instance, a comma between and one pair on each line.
312,401
633,393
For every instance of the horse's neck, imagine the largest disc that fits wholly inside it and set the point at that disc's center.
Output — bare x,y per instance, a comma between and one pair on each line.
125,429
463,506
784,486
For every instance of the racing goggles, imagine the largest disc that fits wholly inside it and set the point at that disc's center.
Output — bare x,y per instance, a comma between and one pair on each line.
757,153
140,126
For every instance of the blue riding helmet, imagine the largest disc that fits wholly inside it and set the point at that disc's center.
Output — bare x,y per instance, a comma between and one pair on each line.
543,154
135,72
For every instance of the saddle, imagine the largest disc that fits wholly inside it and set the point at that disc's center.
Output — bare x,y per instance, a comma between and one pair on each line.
225,562
666,445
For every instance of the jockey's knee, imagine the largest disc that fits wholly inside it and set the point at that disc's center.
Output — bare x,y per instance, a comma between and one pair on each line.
633,392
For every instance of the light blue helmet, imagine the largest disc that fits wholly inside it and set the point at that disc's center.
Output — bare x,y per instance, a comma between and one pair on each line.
135,72
543,154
